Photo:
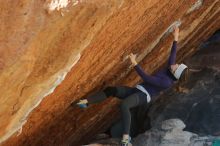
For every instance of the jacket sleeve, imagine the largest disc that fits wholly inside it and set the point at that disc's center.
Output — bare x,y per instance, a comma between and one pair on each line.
157,81
172,58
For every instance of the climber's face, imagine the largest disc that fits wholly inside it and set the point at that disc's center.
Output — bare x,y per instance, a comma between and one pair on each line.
174,68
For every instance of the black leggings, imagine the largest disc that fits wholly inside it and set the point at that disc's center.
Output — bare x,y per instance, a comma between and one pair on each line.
131,97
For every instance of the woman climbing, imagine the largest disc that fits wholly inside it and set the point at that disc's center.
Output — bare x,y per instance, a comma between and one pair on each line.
144,92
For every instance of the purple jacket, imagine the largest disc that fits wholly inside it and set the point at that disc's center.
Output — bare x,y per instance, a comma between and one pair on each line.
162,80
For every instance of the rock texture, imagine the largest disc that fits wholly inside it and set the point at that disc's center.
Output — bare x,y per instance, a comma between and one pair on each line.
52,54
167,133
170,133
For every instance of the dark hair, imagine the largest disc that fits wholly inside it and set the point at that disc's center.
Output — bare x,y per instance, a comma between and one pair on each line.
182,80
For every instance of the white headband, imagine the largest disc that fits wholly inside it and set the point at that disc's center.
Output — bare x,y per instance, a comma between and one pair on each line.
179,70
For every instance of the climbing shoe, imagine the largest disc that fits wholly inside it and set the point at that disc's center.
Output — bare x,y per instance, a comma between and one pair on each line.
126,142
83,103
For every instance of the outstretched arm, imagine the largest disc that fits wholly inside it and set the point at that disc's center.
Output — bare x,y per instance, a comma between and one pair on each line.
157,81
172,58
148,78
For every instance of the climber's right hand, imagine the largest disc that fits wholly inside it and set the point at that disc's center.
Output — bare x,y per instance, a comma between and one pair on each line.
176,33
133,59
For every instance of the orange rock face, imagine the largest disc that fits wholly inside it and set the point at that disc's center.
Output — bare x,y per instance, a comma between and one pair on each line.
55,52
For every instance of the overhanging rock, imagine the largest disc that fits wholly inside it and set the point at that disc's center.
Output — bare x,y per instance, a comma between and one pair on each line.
52,57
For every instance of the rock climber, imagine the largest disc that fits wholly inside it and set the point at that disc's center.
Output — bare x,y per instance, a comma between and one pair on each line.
143,92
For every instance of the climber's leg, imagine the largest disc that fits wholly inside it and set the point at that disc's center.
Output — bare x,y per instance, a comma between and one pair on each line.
119,91
131,101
